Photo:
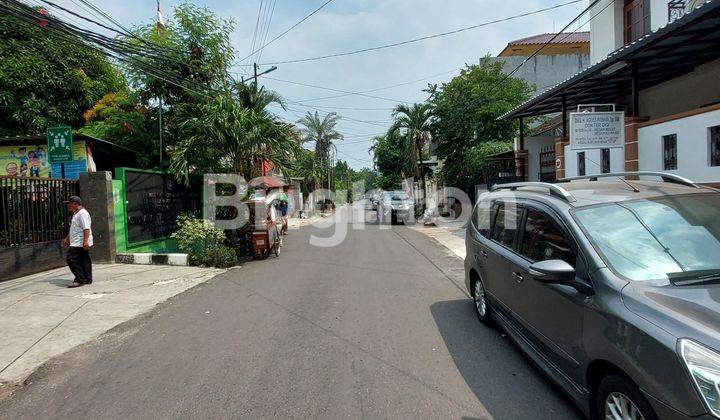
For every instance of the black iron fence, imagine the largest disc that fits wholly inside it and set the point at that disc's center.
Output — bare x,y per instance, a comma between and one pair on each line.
547,165
503,170
32,210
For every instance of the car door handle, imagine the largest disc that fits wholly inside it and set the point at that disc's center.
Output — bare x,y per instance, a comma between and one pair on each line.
518,276
484,254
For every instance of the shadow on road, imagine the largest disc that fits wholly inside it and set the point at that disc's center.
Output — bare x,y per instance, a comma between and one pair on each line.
500,376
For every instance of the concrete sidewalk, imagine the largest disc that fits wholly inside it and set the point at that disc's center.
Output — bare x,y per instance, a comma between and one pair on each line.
41,318
451,236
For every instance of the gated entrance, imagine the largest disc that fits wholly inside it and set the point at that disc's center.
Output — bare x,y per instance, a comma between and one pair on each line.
547,165
34,220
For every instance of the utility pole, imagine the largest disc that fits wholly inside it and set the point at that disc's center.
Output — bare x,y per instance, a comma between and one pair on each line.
256,74
160,109
160,26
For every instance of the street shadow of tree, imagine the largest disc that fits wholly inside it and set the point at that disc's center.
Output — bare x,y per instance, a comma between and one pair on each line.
507,383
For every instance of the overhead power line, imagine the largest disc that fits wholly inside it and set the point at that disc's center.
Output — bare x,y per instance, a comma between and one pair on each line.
122,52
267,28
255,32
380,88
336,90
284,32
548,42
410,41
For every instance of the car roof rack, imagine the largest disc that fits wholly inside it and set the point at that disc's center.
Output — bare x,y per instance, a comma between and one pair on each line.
666,177
554,189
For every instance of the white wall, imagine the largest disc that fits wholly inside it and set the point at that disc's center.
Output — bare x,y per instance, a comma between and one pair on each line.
606,27
593,159
534,145
692,142
606,34
544,71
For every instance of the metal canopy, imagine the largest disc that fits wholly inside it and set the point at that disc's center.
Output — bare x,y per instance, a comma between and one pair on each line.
665,54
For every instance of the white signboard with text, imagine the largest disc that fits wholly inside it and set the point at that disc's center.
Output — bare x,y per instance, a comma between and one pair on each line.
597,130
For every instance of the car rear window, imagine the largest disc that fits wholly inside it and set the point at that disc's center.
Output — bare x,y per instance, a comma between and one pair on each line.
482,217
506,223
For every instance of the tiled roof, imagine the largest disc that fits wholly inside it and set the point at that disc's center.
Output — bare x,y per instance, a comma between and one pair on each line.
571,38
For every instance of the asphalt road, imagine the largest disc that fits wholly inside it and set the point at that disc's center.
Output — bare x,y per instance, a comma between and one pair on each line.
376,327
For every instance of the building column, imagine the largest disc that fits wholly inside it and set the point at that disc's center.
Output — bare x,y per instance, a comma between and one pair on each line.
560,143
96,193
521,164
631,143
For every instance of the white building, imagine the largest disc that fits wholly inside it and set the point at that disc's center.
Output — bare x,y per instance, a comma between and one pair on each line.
659,61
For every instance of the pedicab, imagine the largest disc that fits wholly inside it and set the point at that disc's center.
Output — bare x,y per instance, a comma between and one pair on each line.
265,234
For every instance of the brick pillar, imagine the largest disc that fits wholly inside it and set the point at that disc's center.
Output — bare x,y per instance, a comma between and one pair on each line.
631,143
97,195
560,143
521,164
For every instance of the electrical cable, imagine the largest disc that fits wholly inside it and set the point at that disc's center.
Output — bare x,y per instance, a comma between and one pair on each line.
267,29
381,88
284,32
548,42
79,36
335,90
257,25
410,41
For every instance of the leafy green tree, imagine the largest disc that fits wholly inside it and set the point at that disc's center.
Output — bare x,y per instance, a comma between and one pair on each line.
48,80
306,166
120,119
193,55
390,160
368,176
322,132
225,136
466,111
257,99
188,65
414,124
475,165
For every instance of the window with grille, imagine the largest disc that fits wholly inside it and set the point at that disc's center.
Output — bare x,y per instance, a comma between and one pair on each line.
670,152
581,164
636,19
605,161
715,145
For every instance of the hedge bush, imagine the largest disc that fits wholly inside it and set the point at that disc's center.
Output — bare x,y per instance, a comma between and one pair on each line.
203,244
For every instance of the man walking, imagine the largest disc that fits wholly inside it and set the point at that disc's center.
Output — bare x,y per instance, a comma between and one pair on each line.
80,240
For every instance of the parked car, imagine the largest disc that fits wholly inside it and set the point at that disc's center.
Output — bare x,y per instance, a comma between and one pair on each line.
611,286
395,206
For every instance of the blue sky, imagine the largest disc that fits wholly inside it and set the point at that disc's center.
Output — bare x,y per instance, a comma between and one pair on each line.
345,25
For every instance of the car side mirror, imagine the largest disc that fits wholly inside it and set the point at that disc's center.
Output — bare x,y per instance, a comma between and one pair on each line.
553,271
559,272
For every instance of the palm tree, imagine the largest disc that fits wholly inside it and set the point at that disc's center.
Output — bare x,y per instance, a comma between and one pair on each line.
227,136
414,123
322,132
251,97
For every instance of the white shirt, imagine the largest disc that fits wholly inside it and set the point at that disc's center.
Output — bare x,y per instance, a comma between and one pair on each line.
80,222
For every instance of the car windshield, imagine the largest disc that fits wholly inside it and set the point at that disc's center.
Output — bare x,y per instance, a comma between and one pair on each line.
668,238
397,196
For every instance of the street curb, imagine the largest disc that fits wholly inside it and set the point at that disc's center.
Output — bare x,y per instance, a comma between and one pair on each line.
153,259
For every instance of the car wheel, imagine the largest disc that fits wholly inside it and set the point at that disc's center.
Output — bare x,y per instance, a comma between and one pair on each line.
619,399
482,306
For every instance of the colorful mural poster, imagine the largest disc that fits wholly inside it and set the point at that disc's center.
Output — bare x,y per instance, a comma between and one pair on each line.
32,161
